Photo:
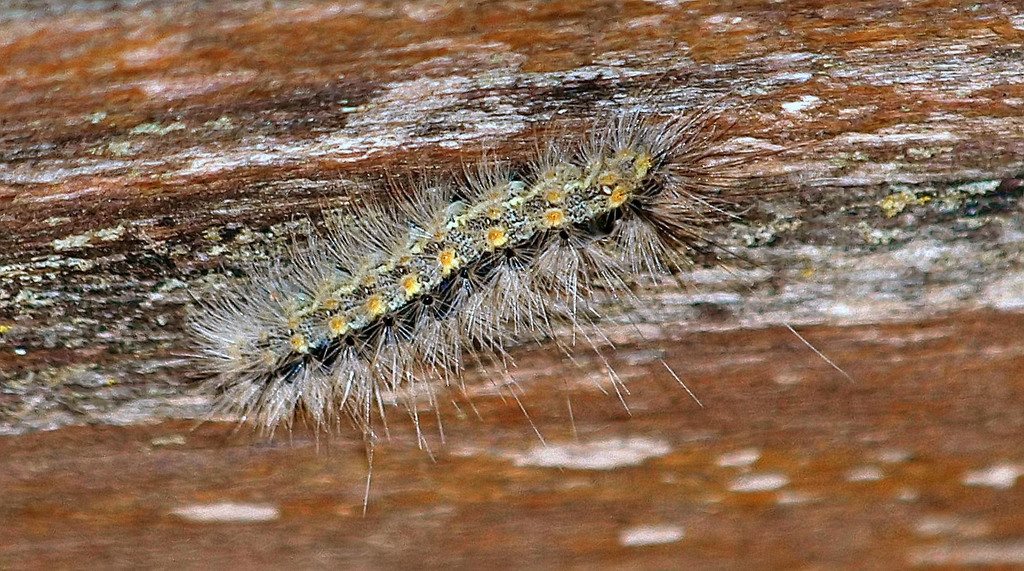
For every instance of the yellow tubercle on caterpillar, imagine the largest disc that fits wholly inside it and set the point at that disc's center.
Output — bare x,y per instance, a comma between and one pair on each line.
449,261
496,237
553,218
411,285
619,195
375,306
331,304
494,213
642,164
337,325
298,343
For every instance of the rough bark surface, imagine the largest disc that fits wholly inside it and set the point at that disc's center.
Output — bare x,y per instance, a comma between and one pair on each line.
148,149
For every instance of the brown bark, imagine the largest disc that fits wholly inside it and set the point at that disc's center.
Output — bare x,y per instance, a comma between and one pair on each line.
144,148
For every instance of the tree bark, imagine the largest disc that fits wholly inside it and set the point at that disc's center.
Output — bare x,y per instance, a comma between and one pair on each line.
148,150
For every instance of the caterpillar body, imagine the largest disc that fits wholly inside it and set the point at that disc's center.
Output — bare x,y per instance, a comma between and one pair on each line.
403,296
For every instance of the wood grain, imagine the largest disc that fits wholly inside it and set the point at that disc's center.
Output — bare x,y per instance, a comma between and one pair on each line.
149,149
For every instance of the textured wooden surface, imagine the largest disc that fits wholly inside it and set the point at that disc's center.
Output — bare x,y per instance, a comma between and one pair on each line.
144,147
788,465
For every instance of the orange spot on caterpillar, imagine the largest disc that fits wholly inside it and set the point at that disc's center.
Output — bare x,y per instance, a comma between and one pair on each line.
376,306
411,285
298,343
448,260
642,164
620,194
337,325
554,217
496,237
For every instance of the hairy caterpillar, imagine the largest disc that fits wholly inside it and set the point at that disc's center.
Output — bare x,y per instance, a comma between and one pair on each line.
398,296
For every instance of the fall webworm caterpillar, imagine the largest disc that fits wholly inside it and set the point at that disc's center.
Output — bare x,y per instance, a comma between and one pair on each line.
402,296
